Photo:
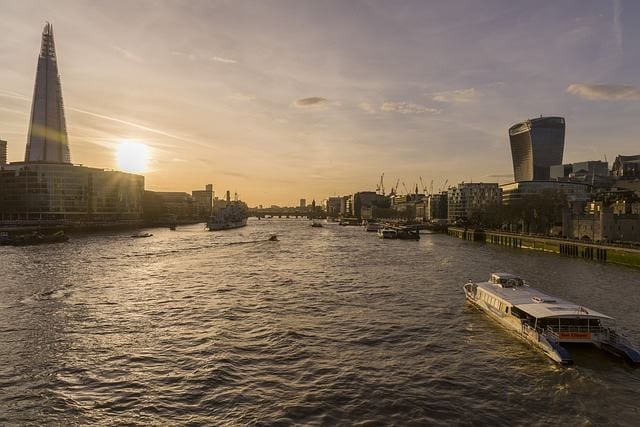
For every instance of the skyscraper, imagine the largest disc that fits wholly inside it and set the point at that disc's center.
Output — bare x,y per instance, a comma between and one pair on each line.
47,141
3,152
536,145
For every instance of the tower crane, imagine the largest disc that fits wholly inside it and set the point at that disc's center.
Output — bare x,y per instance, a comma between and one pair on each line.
444,185
406,190
380,187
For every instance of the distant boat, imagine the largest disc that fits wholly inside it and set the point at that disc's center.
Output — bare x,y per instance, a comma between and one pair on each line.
141,235
372,226
387,233
35,238
232,215
545,321
316,224
273,238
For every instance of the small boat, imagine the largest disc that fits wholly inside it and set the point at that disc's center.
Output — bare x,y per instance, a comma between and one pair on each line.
387,233
273,238
35,238
544,321
408,234
316,224
372,227
141,235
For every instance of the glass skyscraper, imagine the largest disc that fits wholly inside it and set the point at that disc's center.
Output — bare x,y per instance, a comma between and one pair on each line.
48,141
536,145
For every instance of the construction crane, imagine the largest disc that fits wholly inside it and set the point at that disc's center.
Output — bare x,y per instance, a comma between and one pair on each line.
406,190
380,187
431,188
424,188
444,185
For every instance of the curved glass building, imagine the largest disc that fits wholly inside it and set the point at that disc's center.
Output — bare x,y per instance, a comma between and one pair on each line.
536,145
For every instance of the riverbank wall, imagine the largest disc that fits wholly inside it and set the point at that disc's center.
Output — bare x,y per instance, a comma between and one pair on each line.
572,248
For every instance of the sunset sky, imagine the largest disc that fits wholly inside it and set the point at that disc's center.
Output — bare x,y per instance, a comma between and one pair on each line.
280,100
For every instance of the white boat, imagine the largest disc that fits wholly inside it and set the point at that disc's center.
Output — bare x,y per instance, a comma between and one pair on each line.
544,321
387,233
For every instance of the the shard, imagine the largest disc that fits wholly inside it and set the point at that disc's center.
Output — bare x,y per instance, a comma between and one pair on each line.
48,141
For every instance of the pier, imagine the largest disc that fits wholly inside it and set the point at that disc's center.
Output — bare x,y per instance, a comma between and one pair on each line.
614,254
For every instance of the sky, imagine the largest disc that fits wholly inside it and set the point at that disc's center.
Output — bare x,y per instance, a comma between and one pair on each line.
281,100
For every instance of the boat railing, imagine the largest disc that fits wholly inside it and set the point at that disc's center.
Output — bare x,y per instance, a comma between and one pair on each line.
576,328
551,335
614,337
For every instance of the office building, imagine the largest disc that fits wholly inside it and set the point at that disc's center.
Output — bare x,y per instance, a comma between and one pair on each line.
626,167
467,198
303,203
69,194
203,201
579,170
47,141
536,145
3,152
573,191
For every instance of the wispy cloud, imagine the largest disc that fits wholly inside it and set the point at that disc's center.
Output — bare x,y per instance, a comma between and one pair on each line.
238,96
406,108
127,54
605,92
134,125
313,101
223,60
203,57
369,108
457,96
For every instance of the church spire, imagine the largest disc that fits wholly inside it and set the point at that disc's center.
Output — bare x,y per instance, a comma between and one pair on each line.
48,140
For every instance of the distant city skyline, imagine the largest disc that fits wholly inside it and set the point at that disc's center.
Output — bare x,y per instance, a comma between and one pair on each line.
282,100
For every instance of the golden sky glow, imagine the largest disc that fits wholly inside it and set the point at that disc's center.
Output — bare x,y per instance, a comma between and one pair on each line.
282,100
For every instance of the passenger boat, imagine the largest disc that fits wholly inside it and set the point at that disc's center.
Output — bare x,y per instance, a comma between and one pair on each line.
316,224
544,321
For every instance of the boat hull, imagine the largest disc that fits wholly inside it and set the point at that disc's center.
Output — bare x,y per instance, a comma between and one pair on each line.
216,226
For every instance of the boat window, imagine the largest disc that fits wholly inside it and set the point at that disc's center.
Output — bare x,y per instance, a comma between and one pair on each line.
515,311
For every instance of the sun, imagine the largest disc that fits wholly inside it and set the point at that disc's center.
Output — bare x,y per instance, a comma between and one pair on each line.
132,156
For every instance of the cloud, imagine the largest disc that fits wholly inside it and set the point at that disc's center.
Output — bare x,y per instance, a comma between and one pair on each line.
369,108
457,96
127,54
238,96
605,92
406,108
201,57
314,101
223,60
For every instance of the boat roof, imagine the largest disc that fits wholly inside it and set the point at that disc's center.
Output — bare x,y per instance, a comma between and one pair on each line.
538,303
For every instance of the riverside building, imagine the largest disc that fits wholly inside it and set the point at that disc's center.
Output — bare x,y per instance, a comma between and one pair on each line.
47,188
536,145
470,197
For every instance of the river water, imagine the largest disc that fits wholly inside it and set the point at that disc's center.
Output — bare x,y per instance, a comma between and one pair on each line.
329,326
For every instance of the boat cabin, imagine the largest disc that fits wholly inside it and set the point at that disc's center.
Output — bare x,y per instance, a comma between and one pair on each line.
506,280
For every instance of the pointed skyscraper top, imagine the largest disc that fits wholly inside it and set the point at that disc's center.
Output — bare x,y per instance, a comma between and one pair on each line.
48,140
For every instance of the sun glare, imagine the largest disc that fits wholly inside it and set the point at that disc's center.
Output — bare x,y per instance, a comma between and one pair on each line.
132,156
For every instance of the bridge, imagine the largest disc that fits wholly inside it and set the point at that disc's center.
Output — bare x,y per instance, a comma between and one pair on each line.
285,213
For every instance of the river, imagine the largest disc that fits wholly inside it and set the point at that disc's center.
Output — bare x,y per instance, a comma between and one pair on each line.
327,326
